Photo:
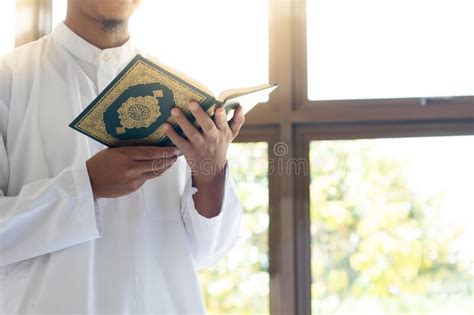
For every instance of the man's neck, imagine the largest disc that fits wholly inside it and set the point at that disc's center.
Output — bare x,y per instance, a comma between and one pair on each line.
101,34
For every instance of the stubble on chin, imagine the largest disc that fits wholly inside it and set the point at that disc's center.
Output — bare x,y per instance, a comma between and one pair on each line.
113,25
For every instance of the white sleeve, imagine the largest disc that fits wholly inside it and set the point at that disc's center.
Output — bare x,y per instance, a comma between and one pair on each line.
210,239
47,215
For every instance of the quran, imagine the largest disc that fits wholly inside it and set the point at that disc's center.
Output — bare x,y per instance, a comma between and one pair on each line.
133,107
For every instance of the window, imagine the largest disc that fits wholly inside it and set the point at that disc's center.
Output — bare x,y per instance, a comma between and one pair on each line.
368,49
239,283
7,25
391,226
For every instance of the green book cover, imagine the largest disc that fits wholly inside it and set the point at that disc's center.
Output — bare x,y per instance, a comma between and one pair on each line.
133,107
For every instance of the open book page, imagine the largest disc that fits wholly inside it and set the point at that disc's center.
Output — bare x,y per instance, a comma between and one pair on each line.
247,98
234,93
181,75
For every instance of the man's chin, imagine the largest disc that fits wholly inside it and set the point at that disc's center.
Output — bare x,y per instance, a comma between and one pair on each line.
112,23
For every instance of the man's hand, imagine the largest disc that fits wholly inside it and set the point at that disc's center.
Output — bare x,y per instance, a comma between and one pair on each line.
120,171
205,149
206,152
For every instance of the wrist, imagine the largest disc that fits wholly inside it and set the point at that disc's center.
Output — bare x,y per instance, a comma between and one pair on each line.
210,176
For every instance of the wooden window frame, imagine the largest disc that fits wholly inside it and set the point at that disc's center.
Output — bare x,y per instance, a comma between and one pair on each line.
305,134
290,118
370,109
300,121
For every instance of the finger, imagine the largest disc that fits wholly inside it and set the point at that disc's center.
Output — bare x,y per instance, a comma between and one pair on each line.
203,118
237,121
142,167
220,118
149,153
189,130
177,140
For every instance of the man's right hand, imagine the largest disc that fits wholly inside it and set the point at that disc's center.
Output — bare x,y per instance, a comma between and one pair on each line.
120,171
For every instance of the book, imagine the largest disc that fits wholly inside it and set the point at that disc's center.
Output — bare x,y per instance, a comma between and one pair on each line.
131,110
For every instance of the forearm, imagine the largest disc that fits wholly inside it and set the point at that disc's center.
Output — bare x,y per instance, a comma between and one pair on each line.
209,197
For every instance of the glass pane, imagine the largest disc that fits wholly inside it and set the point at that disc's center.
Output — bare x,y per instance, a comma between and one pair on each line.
7,26
239,284
392,224
221,43
59,11
366,49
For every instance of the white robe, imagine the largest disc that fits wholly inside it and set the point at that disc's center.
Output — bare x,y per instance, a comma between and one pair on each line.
63,252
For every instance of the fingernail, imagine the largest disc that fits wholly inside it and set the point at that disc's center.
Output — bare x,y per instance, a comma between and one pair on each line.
220,111
167,127
175,112
193,105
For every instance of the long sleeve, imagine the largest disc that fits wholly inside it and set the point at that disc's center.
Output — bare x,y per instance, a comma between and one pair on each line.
47,215
211,239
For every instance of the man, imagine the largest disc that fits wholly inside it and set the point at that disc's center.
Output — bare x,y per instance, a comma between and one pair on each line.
85,229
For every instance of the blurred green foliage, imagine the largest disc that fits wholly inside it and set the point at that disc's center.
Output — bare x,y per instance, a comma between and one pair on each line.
377,247
374,240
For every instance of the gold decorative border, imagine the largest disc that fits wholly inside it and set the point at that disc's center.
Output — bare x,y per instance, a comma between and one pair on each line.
139,73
